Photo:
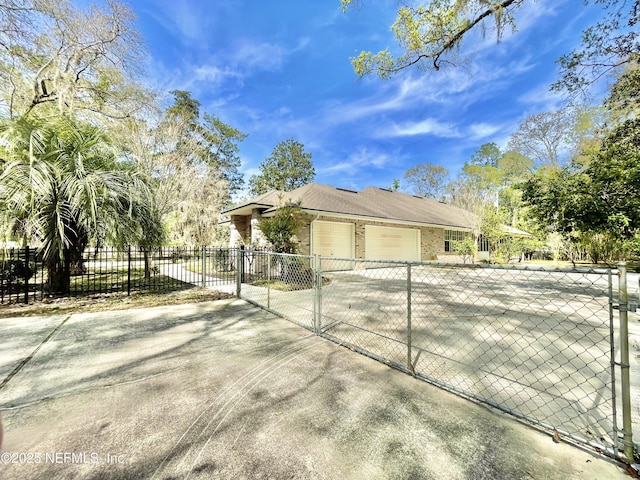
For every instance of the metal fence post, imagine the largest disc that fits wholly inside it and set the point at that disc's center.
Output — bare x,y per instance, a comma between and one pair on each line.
239,267
317,311
204,266
26,274
269,280
129,271
409,356
612,354
627,435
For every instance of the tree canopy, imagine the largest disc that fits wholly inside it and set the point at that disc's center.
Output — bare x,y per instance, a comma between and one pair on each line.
191,159
281,229
61,185
611,43
71,58
88,157
427,180
430,34
602,196
545,136
288,168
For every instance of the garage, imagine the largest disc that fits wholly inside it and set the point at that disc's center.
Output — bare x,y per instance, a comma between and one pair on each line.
391,243
333,239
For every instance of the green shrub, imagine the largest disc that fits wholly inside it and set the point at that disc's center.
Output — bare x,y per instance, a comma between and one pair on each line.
15,271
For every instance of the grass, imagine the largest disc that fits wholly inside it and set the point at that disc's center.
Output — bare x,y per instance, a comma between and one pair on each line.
117,279
111,301
287,287
632,266
213,268
278,285
560,263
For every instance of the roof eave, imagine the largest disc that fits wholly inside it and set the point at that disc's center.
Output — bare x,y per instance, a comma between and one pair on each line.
396,221
246,209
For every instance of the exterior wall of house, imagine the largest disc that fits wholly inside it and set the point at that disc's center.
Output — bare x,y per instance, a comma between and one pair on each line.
245,229
304,236
248,229
431,238
432,243
257,238
239,230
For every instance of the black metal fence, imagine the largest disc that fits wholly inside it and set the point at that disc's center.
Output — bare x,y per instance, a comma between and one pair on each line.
24,276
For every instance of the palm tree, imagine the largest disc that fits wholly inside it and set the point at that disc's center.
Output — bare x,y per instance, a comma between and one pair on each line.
62,185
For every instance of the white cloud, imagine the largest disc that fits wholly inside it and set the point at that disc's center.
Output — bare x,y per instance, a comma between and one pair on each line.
446,89
185,19
251,56
362,157
428,126
213,74
479,131
542,99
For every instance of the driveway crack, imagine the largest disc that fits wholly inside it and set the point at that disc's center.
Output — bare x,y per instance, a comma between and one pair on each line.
27,359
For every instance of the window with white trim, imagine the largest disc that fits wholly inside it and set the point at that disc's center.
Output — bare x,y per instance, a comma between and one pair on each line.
451,236
483,244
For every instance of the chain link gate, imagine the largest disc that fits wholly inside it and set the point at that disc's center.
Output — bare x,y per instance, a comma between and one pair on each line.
280,283
537,343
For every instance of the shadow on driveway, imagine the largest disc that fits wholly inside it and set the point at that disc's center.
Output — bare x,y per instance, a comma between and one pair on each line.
227,390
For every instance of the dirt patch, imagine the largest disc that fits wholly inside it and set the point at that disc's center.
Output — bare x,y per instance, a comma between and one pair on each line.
111,301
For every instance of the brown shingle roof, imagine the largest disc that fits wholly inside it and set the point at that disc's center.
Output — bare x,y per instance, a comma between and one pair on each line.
372,202
266,200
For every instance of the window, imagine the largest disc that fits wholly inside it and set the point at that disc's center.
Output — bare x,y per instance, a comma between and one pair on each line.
451,236
483,245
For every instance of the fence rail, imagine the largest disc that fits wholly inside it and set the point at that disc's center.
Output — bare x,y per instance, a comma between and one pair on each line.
538,343
549,346
24,276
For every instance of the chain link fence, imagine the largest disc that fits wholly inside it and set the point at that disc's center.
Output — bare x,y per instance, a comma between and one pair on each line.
538,343
281,283
549,346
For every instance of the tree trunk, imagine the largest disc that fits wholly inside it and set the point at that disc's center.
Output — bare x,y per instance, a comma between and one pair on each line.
76,262
147,264
59,277
78,243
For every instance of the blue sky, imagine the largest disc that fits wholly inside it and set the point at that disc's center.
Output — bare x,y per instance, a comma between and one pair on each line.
278,70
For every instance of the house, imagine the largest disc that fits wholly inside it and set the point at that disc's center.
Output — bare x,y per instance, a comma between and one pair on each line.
374,223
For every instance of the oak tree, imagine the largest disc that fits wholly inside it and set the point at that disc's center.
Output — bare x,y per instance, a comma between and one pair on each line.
75,59
288,168
192,159
427,180
430,33
545,137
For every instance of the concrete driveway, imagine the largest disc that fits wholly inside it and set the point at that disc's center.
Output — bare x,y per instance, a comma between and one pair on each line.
226,390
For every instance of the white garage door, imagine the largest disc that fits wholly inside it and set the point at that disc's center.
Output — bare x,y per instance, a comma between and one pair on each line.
391,243
333,239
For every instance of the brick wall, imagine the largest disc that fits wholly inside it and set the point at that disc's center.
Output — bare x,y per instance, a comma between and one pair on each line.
239,230
431,238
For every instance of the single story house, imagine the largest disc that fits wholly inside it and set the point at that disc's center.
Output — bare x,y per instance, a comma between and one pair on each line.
374,223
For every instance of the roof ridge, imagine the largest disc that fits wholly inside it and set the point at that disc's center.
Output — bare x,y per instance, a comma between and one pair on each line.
386,204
